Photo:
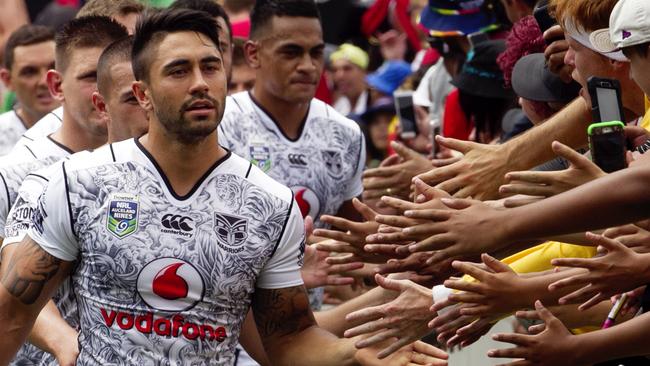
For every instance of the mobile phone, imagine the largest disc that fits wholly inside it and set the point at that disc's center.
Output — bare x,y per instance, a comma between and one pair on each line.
477,37
544,20
607,145
406,114
606,102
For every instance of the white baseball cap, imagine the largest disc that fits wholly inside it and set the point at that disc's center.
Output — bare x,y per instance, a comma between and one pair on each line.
629,25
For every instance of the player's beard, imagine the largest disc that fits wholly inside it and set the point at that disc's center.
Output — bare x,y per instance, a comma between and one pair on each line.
186,131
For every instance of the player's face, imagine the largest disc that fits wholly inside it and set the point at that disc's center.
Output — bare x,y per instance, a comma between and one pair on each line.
28,78
291,58
188,85
79,84
128,119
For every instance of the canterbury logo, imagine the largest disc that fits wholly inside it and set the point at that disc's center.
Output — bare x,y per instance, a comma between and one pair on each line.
297,159
177,222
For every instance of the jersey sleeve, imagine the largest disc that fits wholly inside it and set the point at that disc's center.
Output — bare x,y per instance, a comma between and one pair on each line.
283,269
356,184
19,218
51,221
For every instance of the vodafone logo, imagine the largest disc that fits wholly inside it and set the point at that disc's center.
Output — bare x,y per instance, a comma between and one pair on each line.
170,284
307,200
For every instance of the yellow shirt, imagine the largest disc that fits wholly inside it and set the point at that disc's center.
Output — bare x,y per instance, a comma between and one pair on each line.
645,123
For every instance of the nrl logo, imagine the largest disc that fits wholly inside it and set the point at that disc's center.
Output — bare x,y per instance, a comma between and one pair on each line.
122,214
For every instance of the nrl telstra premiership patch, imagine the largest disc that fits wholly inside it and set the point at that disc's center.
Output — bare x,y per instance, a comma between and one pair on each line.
122,214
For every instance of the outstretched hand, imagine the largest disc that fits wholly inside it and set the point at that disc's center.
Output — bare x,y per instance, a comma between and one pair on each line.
414,354
316,272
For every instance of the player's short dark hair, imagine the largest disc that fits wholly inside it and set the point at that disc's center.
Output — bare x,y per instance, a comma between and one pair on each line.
264,11
110,8
26,35
117,52
154,26
85,32
209,6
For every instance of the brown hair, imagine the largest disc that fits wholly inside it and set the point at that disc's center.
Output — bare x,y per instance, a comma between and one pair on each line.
110,8
588,15
25,36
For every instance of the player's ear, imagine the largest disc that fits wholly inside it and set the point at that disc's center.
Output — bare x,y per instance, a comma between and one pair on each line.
54,81
252,52
99,103
141,93
5,76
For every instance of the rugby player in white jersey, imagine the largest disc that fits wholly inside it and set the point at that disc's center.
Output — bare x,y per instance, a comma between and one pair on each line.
169,238
78,46
29,54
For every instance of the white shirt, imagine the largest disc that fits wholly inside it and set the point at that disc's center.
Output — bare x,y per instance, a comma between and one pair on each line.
43,127
11,129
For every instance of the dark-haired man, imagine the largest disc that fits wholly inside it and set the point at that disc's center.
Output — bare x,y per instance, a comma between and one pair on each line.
280,127
169,238
29,54
78,46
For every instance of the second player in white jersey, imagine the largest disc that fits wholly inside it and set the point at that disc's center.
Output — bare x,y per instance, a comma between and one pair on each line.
11,129
323,166
43,127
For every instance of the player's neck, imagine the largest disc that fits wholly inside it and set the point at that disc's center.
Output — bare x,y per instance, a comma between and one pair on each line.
289,116
75,138
28,119
183,164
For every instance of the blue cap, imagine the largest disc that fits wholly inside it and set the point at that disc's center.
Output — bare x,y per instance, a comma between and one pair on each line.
457,17
389,76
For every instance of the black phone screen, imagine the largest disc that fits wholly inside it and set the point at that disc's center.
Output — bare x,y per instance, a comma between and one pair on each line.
406,115
608,150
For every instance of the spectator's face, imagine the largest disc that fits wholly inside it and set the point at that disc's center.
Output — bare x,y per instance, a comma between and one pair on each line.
187,86
79,82
586,63
378,130
639,69
127,118
27,78
242,79
289,61
350,79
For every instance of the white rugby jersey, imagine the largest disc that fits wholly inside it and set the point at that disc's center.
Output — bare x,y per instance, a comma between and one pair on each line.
323,167
164,279
11,129
43,127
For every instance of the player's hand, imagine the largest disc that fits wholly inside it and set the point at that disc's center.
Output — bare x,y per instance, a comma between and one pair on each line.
547,184
404,319
395,180
554,346
555,53
618,271
466,228
634,236
316,272
498,293
414,354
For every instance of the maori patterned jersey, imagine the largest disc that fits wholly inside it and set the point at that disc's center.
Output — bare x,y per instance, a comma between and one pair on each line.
323,166
11,128
163,279
15,211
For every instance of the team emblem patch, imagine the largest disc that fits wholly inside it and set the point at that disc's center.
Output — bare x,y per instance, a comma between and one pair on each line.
232,232
261,157
122,214
333,162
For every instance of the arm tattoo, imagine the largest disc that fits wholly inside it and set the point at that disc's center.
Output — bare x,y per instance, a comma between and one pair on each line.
28,271
282,312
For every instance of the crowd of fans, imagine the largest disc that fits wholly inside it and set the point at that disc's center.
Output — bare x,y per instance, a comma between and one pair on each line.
444,163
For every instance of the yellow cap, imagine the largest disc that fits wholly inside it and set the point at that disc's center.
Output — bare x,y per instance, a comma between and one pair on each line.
351,53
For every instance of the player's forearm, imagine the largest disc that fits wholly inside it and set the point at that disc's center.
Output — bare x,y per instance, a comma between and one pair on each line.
52,333
568,126
16,324
619,198
623,340
333,320
313,346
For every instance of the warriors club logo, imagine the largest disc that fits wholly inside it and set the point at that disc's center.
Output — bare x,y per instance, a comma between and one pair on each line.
170,284
232,232
307,201
122,215
333,163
